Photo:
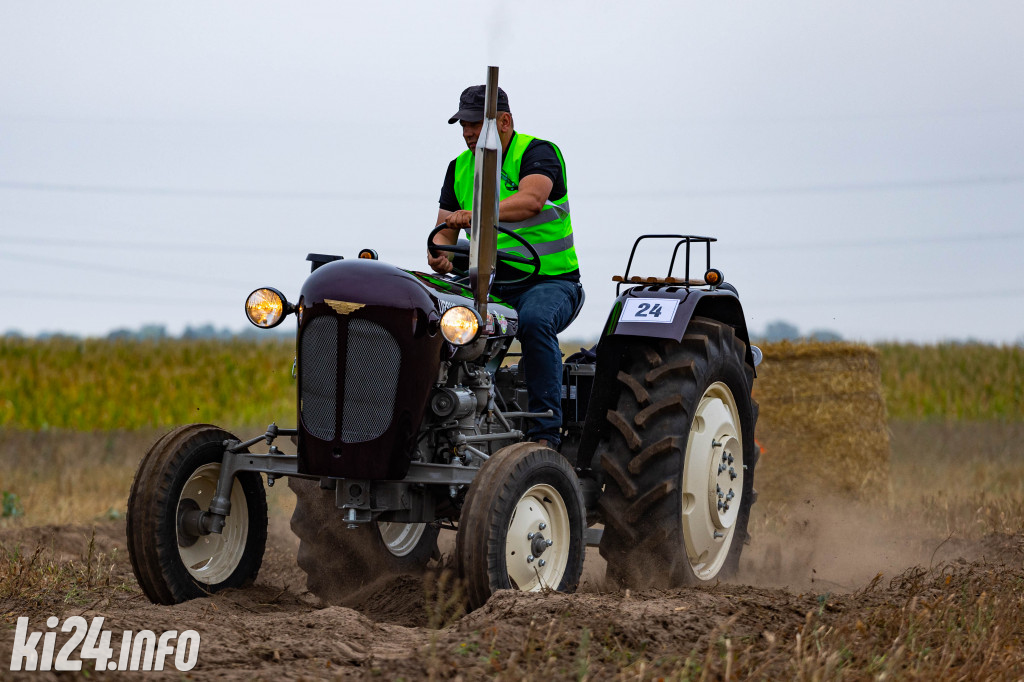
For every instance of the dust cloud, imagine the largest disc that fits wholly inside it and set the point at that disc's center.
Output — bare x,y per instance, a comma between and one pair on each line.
837,545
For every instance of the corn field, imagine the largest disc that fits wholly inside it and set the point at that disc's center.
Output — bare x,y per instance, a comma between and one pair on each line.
96,385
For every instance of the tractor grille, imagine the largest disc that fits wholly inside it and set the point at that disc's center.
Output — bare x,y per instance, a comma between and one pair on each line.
371,379
318,358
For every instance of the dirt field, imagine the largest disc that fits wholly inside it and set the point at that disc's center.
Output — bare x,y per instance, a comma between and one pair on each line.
929,585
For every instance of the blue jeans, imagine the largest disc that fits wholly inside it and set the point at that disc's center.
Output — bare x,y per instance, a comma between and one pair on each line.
544,309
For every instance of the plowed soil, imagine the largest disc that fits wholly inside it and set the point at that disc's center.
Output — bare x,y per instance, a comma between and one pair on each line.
824,571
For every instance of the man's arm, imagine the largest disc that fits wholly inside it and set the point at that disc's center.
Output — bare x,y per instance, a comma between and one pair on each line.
448,203
441,263
442,215
527,202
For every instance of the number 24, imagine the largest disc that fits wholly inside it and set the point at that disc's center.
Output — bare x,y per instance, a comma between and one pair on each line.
646,309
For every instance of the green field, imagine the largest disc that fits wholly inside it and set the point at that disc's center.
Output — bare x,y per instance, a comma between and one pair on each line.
99,385
953,381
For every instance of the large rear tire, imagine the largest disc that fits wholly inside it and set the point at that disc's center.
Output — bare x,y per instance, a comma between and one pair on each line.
522,525
339,560
179,475
679,460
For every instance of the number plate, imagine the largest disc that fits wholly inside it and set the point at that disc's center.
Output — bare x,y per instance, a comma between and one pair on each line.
657,310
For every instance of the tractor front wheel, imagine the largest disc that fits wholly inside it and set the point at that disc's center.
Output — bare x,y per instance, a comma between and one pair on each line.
176,481
522,525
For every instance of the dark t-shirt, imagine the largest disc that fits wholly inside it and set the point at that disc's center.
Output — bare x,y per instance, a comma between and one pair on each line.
539,158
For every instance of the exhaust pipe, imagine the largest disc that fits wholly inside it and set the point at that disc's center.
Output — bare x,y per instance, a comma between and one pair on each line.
483,253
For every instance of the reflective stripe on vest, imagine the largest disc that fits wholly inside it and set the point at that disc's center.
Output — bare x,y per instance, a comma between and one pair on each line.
549,232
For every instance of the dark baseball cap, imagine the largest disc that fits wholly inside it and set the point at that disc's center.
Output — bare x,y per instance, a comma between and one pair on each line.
471,104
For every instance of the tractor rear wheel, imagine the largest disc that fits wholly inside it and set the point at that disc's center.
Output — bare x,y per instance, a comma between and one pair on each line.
679,460
522,525
338,560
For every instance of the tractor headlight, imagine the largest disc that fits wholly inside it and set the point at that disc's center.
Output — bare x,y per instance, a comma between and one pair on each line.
460,325
266,307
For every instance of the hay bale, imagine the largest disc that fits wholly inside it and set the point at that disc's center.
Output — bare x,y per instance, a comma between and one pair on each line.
822,424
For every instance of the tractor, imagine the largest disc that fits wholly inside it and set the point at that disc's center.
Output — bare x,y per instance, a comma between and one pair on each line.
411,420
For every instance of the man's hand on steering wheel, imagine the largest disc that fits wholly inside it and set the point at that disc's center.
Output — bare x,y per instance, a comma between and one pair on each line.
439,263
438,259
459,220
531,260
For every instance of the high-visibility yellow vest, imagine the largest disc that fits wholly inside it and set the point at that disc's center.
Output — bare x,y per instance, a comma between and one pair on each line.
549,232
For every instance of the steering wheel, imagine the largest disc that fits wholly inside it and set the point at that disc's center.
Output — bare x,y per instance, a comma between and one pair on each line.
533,260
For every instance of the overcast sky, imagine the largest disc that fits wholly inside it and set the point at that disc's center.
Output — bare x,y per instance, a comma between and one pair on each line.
861,163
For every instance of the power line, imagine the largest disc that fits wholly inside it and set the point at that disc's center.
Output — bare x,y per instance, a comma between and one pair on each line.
208,193
895,296
129,245
117,270
683,121
908,241
80,295
879,186
601,118
155,247
761,247
776,245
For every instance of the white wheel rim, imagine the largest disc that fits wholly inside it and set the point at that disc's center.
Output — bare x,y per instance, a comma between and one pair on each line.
401,538
540,517
712,481
212,558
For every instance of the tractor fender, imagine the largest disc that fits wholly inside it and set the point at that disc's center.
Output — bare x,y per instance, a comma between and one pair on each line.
719,304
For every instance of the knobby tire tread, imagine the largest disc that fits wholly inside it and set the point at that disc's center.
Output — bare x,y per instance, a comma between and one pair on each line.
643,456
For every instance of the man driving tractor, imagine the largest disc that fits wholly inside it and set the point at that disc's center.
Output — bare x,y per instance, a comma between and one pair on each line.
534,202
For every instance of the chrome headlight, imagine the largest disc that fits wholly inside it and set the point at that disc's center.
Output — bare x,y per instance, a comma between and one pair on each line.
266,307
461,325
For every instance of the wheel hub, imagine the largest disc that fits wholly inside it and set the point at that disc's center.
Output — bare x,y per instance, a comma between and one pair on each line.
540,509
538,544
190,522
712,481
723,476
210,558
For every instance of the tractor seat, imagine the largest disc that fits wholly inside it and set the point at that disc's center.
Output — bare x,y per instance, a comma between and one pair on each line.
579,306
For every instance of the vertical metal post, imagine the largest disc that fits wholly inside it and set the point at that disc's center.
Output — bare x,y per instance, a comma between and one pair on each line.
687,274
483,233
